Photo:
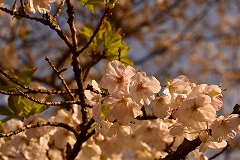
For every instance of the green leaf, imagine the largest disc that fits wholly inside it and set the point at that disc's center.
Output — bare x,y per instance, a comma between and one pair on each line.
93,2
127,61
37,108
2,129
111,3
5,111
107,42
13,102
20,11
90,4
104,109
7,118
26,76
8,88
11,74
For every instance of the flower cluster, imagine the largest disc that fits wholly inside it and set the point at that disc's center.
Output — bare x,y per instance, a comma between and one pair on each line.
128,91
184,111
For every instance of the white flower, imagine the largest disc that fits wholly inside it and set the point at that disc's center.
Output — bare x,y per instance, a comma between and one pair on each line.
90,150
64,116
30,133
180,85
55,154
117,77
33,151
161,107
77,115
142,88
13,125
95,100
43,6
62,137
196,112
102,127
212,91
120,106
119,130
179,130
225,128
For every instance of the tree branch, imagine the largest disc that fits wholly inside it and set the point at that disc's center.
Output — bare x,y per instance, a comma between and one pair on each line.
59,9
184,149
39,124
70,12
60,77
53,26
53,103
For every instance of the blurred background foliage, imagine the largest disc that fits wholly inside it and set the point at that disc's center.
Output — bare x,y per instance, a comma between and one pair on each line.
166,38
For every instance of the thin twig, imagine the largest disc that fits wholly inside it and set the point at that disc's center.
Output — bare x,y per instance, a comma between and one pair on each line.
223,150
94,33
39,124
53,103
12,79
59,9
38,91
70,12
22,5
76,62
60,77
53,26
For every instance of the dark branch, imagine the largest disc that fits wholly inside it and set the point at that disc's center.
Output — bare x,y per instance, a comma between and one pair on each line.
60,77
53,103
39,124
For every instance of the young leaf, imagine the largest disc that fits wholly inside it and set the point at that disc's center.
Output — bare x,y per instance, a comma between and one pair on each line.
5,111
111,3
90,4
7,118
27,75
37,108
13,101
107,42
8,88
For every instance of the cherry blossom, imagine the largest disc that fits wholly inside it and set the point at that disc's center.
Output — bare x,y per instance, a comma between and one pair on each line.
62,137
142,88
225,127
196,112
117,77
90,151
43,6
30,133
95,99
212,91
121,105
161,107
185,111
180,85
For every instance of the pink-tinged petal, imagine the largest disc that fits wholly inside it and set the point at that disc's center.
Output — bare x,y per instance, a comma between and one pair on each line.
129,72
153,84
208,112
96,111
115,68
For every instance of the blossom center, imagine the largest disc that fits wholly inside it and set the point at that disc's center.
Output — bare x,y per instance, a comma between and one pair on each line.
124,100
140,86
120,79
225,123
